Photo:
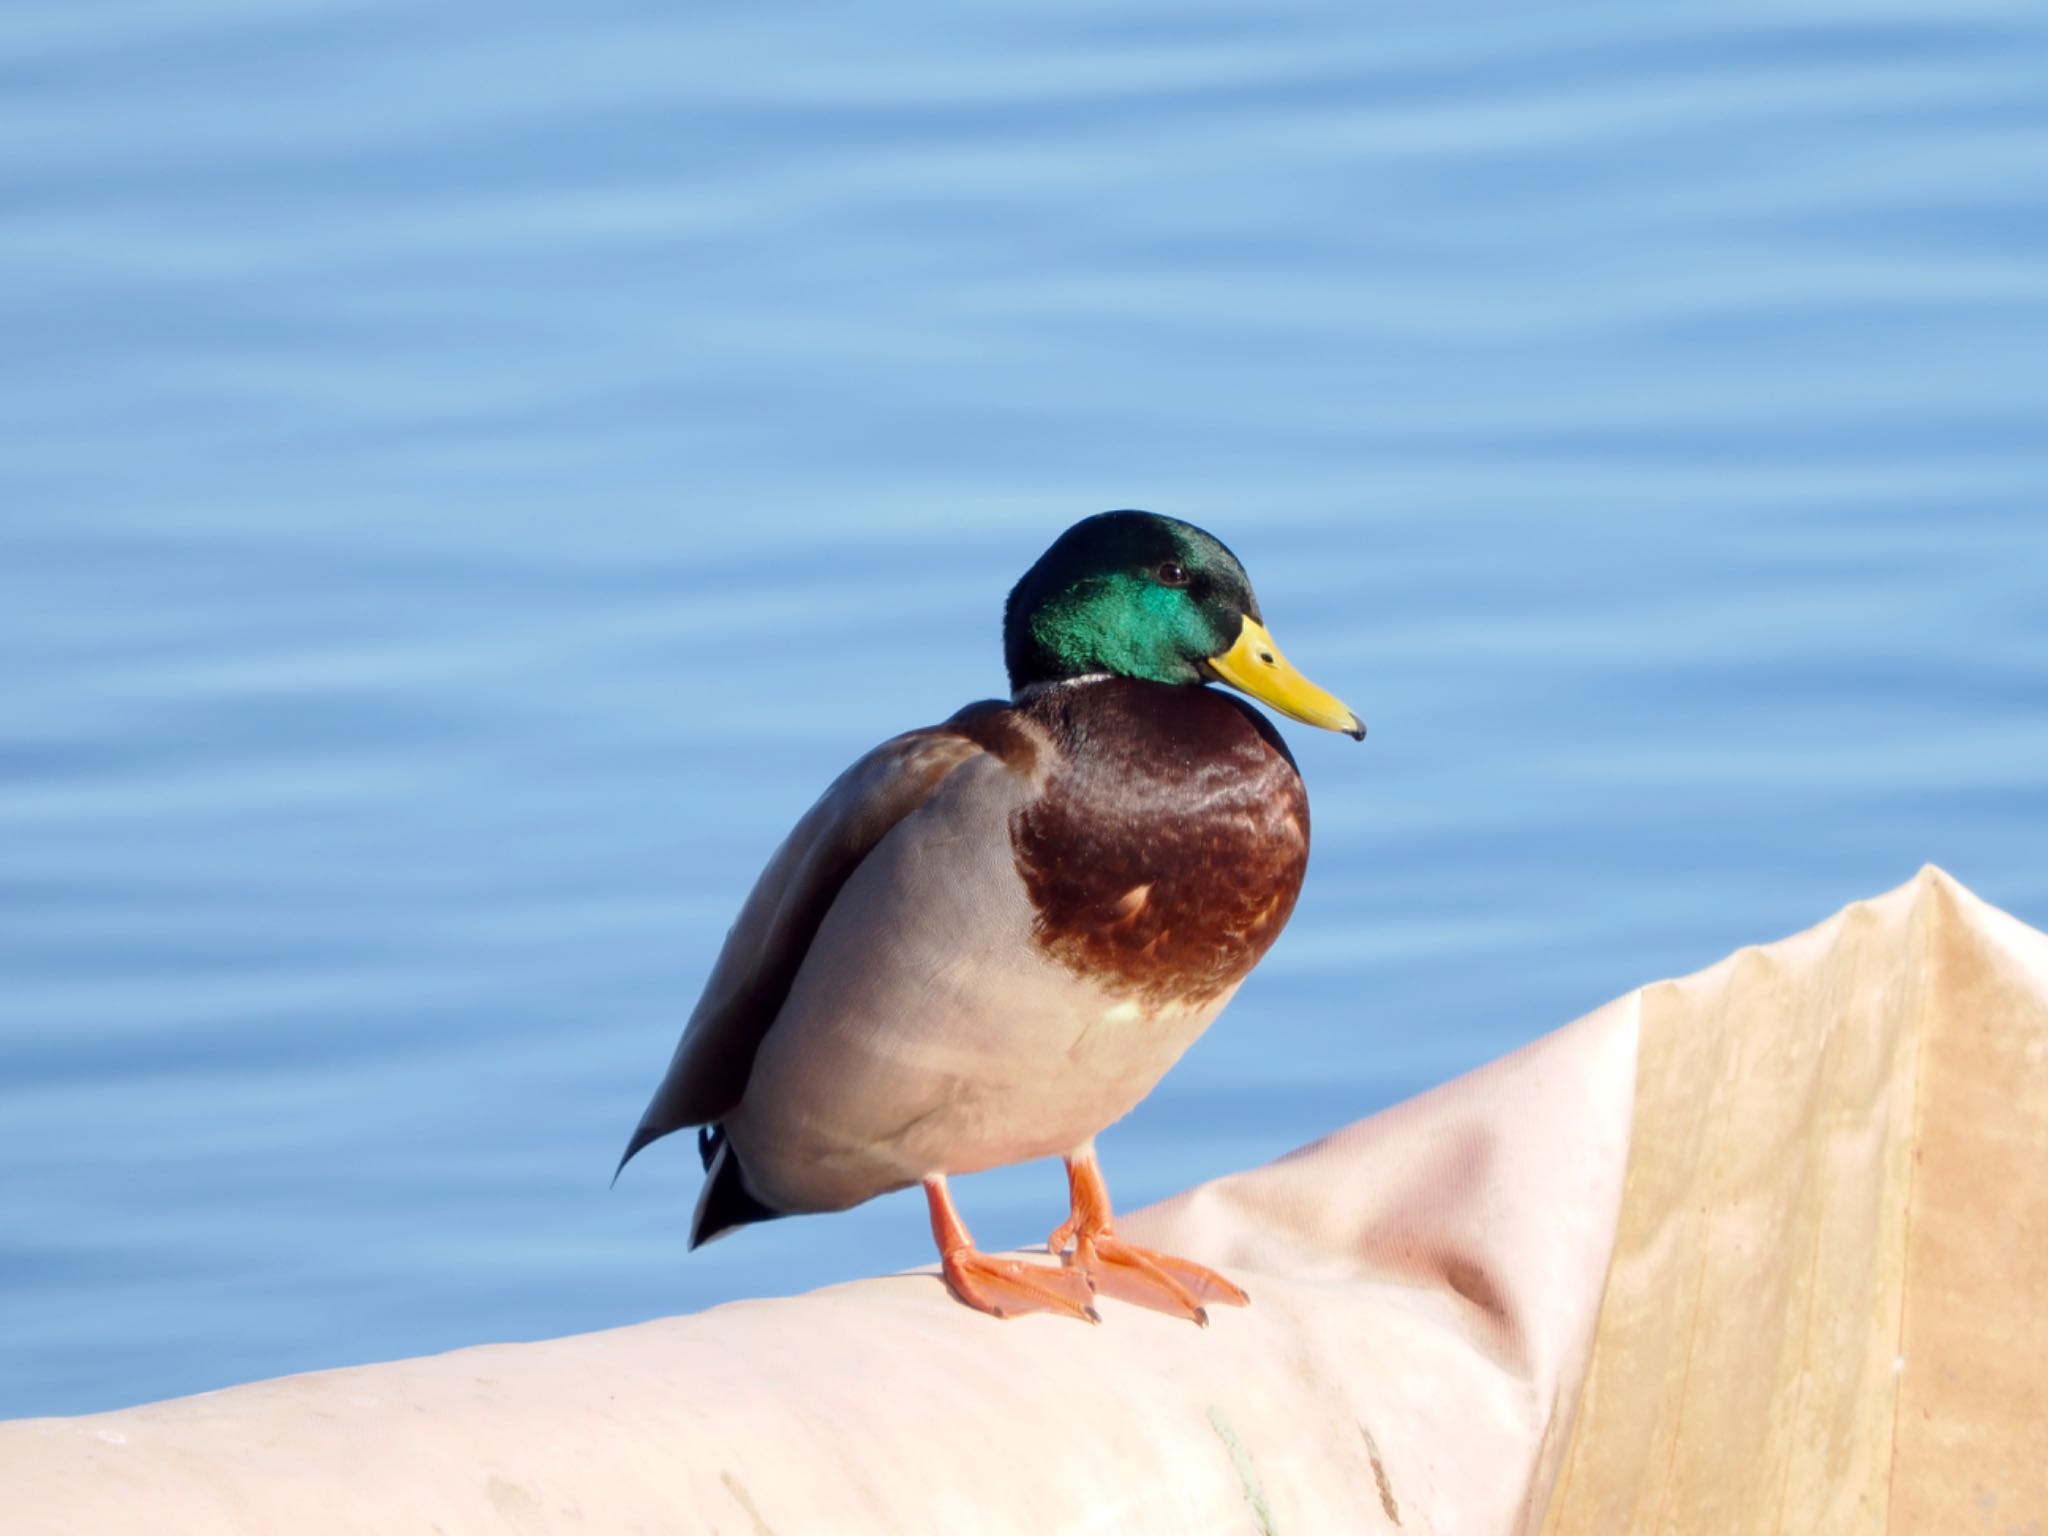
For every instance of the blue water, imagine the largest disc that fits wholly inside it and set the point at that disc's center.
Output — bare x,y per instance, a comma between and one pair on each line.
469,474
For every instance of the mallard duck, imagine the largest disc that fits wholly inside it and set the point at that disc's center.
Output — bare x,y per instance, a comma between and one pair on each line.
990,938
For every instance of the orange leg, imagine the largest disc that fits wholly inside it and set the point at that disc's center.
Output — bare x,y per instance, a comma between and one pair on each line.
1124,1270
1001,1287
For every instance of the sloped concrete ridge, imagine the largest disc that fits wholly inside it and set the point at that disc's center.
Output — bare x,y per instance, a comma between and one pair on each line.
1764,1249
1828,1307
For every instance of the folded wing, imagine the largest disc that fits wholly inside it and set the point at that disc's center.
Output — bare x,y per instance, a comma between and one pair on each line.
766,947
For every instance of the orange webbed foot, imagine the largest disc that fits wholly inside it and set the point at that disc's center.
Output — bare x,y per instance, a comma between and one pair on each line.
1142,1276
1002,1287
1161,1281
1015,1287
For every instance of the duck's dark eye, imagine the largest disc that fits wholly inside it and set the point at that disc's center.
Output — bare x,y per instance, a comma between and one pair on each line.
1172,573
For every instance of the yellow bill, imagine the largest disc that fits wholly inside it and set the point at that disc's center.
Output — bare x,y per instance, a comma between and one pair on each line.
1255,666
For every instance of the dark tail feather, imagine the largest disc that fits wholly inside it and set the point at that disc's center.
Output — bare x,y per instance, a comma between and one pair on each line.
709,1139
725,1203
641,1137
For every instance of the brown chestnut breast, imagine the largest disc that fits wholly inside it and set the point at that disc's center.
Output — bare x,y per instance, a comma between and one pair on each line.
1168,839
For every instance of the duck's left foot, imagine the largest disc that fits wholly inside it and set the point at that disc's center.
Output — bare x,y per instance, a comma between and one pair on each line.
1142,1276
1161,1281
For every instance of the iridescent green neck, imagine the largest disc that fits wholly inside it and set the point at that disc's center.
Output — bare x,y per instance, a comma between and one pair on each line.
1121,624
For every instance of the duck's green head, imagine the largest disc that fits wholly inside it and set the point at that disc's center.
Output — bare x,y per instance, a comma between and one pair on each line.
1135,594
